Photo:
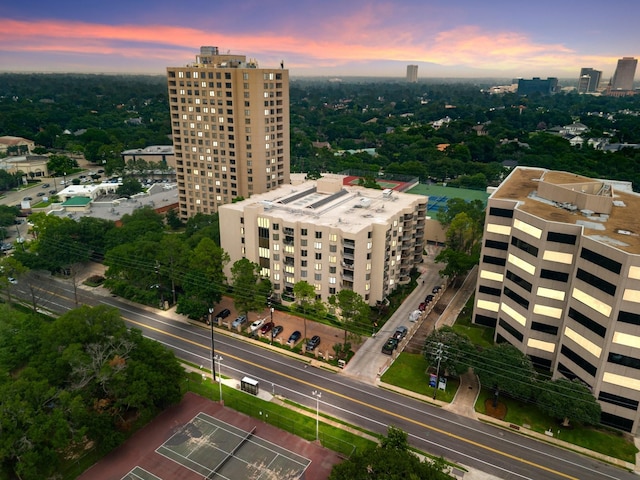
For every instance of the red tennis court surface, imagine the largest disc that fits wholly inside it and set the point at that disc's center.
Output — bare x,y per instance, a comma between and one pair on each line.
137,458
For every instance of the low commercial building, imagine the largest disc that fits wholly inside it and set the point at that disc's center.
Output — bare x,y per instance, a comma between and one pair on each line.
332,236
559,279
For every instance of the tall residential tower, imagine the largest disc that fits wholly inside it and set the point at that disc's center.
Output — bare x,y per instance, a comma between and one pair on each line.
412,73
230,126
589,80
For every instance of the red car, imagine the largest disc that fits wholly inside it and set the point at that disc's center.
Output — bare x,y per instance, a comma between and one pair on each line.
422,307
266,328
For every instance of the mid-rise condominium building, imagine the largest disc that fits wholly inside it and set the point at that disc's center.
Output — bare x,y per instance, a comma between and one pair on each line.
559,278
331,235
624,74
230,126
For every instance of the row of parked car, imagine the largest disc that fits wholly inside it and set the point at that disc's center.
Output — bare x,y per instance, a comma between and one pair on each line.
267,327
429,298
391,344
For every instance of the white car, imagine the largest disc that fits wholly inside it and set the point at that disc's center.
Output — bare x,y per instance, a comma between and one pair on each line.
256,325
12,280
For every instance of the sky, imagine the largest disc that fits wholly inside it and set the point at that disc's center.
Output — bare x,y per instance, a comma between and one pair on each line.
453,38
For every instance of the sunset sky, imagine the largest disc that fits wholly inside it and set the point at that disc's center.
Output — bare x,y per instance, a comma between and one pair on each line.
455,38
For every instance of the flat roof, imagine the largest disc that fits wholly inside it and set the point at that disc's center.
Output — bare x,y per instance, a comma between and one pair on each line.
619,229
350,208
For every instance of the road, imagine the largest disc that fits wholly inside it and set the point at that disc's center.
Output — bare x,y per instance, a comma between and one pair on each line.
499,453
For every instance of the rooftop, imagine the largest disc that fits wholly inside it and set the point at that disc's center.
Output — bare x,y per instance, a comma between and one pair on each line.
327,202
151,150
619,228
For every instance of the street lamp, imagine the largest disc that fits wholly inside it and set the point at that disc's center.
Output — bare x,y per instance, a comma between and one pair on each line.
213,350
219,358
317,394
272,325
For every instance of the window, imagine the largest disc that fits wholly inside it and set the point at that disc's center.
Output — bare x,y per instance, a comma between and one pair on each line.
561,238
333,248
496,292
501,212
318,234
578,360
628,317
303,231
332,269
521,282
624,360
601,260
495,244
494,260
553,275
522,245
317,277
618,400
318,266
585,321
544,328
597,282
516,298
318,256
303,253
514,333
317,245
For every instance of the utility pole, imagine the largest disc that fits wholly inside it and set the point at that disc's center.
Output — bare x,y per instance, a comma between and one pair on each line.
440,355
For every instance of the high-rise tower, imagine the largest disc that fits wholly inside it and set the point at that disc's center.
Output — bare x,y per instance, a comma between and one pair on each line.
625,71
230,127
589,80
412,73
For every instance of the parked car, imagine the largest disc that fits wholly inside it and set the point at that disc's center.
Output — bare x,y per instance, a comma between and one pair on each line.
256,325
45,185
52,192
223,313
313,343
277,330
401,332
241,320
27,199
294,337
12,280
428,299
5,247
266,328
390,346
436,289
41,194
422,307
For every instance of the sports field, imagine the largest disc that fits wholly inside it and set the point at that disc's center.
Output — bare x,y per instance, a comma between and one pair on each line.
439,195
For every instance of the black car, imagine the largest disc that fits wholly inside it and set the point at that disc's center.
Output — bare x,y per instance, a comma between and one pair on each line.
390,346
277,330
294,337
223,313
428,299
41,194
436,289
313,343
45,185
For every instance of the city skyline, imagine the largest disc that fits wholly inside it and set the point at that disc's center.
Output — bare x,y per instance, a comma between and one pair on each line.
359,38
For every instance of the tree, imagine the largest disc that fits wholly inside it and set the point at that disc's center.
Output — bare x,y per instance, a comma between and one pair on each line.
392,459
568,400
458,350
304,294
353,308
506,369
60,164
130,186
250,290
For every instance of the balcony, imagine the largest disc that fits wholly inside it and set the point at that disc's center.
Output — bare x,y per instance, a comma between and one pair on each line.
348,266
348,253
348,243
346,275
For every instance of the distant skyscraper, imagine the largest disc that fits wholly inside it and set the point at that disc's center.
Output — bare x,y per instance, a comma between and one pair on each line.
589,80
625,71
412,73
230,123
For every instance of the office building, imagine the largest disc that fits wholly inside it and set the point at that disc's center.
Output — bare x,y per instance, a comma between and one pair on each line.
230,126
624,74
537,85
559,278
331,235
589,80
412,73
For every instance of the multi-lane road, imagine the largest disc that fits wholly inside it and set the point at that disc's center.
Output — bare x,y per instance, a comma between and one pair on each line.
499,453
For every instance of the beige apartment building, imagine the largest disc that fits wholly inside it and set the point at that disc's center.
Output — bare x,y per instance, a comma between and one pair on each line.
559,278
230,124
333,236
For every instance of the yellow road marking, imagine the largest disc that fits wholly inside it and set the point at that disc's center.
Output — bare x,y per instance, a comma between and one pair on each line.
373,407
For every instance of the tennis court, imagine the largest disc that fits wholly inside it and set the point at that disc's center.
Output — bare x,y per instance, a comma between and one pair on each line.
218,451
139,473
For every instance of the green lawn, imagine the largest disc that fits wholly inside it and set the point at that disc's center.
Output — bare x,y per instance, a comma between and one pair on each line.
479,335
409,371
602,440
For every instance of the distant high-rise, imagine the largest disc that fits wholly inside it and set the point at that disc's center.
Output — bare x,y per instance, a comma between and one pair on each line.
589,80
625,71
230,126
412,73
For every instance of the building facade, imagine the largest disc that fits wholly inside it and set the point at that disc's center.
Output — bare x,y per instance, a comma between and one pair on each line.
537,85
624,74
332,236
589,80
160,154
559,278
412,73
230,127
